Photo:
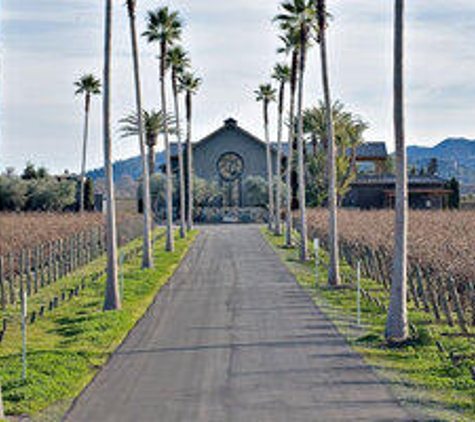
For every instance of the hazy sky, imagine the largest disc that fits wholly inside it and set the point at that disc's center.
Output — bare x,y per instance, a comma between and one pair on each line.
48,44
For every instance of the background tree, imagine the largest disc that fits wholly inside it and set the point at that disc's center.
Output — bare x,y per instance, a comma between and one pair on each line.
112,298
164,27
147,253
299,16
266,94
189,84
397,325
88,85
433,167
454,198
282,74
178,61
154,125
349,130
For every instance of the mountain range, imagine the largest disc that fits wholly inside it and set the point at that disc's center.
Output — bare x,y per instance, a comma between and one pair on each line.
455,156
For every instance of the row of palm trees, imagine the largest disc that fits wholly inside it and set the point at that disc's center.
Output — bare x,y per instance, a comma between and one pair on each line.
164,29
304,23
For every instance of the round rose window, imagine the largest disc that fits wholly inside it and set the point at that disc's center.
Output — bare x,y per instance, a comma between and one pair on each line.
230,166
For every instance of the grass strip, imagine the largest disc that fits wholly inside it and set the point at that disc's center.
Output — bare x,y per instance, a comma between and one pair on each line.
420,374
69,345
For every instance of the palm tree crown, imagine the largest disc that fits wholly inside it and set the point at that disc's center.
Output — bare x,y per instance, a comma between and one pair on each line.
299,17
189,83
153,123
177,59
282,73
88,84
163,26
265,93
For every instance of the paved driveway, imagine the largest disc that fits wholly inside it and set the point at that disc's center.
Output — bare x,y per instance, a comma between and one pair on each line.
233,338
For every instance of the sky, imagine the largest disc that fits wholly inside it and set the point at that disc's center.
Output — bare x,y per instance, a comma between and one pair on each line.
46,45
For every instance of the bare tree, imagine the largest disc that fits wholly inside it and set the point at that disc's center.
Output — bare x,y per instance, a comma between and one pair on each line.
397,325
147,255
112,299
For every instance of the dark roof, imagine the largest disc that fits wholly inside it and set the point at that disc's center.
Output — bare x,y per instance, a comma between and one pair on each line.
370,179
370,150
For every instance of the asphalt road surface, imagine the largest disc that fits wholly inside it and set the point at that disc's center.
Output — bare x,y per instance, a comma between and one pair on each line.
233,338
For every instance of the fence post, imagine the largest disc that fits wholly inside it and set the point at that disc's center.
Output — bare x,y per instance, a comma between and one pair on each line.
28,272
445,303
472,300
2,284
422,290
24,312
432,295
316,244
11,278
457,305
358,294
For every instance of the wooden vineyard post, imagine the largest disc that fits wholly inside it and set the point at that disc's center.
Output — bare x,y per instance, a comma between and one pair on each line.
412,289
432,296
11,278
457,305
422,291
36,277
27,267
445,303
50,263
471,289
2,285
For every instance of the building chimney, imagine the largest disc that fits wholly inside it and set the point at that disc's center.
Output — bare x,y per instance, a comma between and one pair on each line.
230,122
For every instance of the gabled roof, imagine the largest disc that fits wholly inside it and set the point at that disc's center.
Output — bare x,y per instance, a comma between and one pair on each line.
372,150
229,124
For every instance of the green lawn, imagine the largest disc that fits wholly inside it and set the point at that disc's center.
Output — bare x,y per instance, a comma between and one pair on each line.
68,346
421,376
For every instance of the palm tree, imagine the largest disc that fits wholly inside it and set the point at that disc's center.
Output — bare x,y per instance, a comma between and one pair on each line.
112,299
189,84
266,94
88,85
147,255
291,46
282,74
300,16
334,264
153,124
164,27
397,325
178,61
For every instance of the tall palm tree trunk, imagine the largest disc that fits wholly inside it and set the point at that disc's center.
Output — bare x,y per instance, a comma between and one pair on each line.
112,299
300,152
334,267
278,199
288,215
181,166
147,256
151,157
189,151
270,185
397,325
82,182
170,241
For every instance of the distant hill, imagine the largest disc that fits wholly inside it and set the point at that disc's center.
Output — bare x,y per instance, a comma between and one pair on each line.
455,156
126,174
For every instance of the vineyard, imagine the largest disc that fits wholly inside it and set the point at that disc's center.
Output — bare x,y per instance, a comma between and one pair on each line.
441,256
38,249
